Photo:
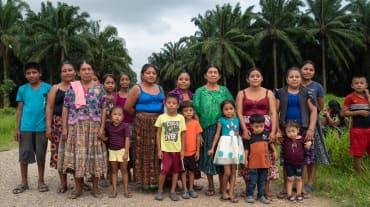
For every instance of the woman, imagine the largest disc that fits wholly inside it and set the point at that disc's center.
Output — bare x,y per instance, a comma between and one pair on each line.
321,155
145,102
207,100
83,118
54,110
258,100
295,104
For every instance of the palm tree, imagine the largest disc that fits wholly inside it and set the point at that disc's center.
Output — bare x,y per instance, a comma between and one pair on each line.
10,24
55,32
221,40
336,30
275,23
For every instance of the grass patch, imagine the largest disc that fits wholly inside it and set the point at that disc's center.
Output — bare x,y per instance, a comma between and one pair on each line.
7,129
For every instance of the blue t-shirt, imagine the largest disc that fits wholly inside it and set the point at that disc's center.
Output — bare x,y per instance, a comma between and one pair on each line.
34,106
229,127
315,90
293,109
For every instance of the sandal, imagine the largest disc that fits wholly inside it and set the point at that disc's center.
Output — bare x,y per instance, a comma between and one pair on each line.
62,189
291,198
127,195
306,195
20,188
281,195
222,198
308,188
210,192
42,187
234,200
75,195
299,198
96,194
113,195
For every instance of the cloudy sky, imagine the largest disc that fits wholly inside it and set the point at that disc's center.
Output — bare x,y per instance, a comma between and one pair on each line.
146,25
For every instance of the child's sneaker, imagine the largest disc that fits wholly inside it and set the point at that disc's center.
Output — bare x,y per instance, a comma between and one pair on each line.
174,197
159,196
193,194
249,199
262,199
185,195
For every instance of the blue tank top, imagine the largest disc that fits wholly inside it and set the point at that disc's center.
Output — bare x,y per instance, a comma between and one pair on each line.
149,102
293,109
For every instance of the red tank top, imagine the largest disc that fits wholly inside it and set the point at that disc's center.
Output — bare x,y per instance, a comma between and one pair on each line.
251,107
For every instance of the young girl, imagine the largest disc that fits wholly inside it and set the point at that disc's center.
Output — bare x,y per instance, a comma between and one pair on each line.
192,145
207,100
332,118
83,129
230,151
121,97
320,154
295,104
118,135
293,153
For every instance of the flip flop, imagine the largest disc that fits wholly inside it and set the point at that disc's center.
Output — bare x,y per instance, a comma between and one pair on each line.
42,187
96,194
234,200
210,192
75,195
224,199
113,195
62,189
127,195
20,188
282,195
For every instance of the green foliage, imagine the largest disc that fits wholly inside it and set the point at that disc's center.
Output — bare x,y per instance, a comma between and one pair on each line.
339,179
7,129
7,86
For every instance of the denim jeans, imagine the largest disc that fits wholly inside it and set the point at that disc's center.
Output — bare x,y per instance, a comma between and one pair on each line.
257,177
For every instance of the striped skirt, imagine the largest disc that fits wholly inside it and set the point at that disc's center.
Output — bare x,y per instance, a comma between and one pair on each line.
85,153
206,162
147,165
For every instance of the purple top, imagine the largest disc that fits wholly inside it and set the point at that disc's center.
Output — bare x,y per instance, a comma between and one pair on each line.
120,101
293,151
116,135
95,102
177,91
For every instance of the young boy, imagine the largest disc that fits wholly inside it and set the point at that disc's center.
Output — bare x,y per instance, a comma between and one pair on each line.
257,162
31,125
191,150
170,143
357,106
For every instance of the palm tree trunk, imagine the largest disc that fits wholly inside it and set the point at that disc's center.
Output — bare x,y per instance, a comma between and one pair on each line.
274,45
323,62
5,75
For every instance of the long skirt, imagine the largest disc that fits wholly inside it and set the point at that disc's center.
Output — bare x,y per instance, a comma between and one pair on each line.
206,162
147,165
318,153
56,139
84,151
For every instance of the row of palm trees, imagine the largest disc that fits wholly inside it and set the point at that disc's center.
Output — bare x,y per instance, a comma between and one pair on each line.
333,33
58,32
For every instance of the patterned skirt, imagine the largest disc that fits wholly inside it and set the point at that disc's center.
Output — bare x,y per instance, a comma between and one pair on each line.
147,165
229,151
56,139
206,162
85,153
318,153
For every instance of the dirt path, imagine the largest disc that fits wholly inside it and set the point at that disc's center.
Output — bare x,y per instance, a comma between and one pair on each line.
10,177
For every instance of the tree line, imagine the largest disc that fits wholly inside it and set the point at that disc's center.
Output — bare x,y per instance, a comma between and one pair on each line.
57,33
335,34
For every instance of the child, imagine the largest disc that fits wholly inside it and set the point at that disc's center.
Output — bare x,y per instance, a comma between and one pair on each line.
357,106
332,118
191,149
170,144
293,153
31,126
118,135
230,152
257,158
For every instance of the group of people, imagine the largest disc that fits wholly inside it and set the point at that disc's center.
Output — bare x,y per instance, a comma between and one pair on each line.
96,131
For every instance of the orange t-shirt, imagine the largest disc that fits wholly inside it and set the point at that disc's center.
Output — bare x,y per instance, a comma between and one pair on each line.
193,128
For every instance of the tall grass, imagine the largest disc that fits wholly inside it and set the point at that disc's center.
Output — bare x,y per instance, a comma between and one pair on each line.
7,129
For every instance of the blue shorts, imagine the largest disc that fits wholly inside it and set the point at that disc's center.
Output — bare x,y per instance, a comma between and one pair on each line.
293,171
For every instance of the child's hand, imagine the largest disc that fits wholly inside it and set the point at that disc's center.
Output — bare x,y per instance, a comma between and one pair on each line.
101,134
363,113
246,134
125,157
17,135
279,137
246,163
307,145
160,155
197,156
64,133
210,152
